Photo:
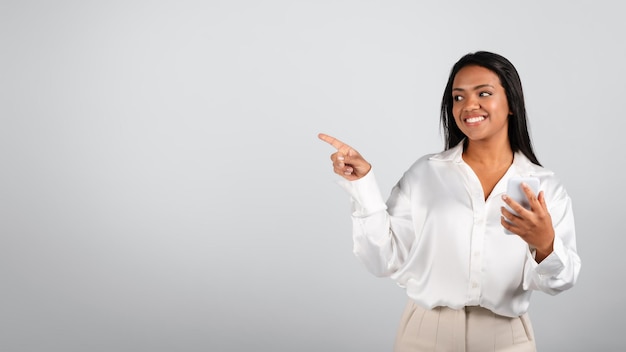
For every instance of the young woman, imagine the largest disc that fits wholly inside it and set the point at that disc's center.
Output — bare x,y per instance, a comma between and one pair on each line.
442,233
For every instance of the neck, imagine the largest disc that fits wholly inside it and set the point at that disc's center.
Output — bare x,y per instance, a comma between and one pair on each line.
488,154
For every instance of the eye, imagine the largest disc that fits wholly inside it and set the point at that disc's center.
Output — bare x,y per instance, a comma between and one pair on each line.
457,98
484,94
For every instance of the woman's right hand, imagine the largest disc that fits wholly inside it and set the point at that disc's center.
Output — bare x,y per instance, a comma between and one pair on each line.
347,162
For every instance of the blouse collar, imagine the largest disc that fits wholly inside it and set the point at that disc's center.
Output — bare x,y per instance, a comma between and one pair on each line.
523,166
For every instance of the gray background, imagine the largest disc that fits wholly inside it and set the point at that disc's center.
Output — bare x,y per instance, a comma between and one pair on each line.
163,189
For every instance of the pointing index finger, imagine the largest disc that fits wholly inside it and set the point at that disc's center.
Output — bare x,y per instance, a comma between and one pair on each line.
337,144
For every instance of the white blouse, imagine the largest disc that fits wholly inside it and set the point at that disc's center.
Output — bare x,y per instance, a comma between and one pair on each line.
438,238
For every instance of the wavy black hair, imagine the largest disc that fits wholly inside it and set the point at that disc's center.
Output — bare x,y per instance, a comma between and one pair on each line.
510,80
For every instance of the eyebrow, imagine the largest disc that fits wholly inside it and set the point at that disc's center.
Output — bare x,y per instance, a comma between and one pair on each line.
476,88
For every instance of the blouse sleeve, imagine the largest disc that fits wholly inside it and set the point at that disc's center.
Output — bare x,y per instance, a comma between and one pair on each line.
382,232
559,270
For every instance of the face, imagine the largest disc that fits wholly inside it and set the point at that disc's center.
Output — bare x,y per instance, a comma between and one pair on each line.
480,106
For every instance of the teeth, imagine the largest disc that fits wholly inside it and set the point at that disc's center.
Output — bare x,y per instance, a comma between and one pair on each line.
475,119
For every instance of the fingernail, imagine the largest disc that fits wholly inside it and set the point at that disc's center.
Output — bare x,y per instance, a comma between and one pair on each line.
340,157
504,197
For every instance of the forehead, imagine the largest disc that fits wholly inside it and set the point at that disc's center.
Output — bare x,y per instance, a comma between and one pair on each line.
473,75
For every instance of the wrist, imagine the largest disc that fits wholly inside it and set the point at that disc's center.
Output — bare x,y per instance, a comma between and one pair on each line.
542,252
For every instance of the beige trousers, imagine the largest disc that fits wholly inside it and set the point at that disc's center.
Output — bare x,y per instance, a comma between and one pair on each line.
472,329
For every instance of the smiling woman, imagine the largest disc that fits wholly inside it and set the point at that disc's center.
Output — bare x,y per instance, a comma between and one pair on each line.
441,234
480,107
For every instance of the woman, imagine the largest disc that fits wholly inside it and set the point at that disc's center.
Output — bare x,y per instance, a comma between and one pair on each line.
441,233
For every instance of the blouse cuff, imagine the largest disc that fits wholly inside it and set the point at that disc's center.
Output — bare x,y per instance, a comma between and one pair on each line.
554,263
366,195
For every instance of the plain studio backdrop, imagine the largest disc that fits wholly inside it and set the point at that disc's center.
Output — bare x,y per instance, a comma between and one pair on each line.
162,187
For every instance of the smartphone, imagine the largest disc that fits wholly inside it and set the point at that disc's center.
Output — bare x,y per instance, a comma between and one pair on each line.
514,191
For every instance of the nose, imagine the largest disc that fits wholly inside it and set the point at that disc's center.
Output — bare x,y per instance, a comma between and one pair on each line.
471,103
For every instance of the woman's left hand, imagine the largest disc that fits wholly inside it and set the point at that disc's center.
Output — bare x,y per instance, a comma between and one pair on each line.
534,226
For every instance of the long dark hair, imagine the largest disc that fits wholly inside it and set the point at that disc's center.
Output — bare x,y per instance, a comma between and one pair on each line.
510,80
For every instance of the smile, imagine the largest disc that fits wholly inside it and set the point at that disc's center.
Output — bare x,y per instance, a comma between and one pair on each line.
474,119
